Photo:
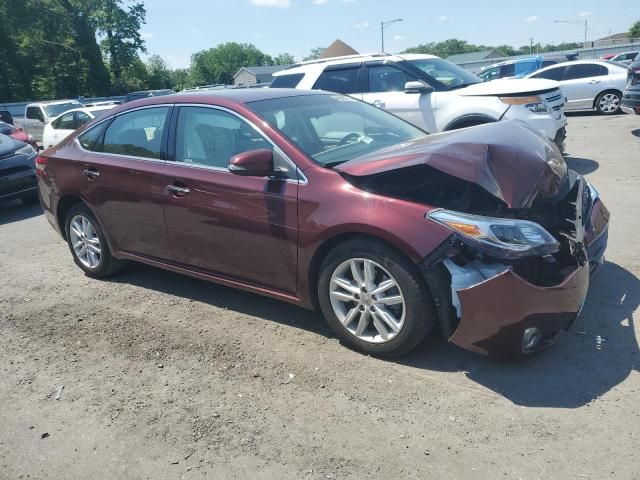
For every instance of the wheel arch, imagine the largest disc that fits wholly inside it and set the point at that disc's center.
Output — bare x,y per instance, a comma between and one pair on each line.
64,205
612,90
469,120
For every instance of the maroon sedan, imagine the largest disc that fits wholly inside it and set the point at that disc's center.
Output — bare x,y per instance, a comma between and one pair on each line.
330,203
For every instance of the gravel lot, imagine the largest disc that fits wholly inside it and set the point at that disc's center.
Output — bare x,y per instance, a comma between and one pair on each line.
170,377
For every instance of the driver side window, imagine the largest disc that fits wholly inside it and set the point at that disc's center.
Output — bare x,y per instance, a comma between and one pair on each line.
385,78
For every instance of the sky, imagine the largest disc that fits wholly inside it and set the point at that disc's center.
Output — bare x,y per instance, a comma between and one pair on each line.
177,28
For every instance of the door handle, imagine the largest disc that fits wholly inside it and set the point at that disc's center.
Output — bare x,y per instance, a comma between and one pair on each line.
178,191
379,103
593,82
91,173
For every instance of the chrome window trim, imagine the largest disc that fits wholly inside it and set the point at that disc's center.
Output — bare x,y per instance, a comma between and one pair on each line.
302,179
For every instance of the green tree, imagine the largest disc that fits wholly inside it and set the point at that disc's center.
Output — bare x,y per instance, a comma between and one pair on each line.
314,54
120,25
219,64
283,59
158,72
180,79
634,31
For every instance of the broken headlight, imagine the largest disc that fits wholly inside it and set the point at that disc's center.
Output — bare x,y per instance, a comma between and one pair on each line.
499,237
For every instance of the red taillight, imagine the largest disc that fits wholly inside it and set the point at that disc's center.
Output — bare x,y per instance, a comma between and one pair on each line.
41,163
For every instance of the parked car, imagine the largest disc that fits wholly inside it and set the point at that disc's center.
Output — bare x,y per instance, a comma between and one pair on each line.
17,134
607,56
588,84
325,201
38,114
17,171
432,93
631,96
147,93
520,67
103,103
6,117
61,127
627,58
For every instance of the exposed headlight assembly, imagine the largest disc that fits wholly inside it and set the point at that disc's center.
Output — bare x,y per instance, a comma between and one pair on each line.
27,150
499,237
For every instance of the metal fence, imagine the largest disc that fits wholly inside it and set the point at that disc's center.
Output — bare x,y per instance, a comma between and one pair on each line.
583,53
17,109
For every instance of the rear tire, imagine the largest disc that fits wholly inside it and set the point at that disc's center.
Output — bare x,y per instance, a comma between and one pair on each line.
403,307
608,103
88,244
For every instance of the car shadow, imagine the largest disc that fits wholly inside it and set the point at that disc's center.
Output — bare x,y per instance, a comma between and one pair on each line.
599,352
583,166
16,211
636,132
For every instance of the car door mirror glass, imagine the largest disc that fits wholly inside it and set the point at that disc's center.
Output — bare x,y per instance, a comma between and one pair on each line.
417,86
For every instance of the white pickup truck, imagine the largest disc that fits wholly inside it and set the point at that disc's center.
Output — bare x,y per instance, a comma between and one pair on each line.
38,114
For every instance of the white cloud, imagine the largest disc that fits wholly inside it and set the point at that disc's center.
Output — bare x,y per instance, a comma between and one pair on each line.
362,25
532,18
444,18
318,2
585,14
398,37
146,35
271,3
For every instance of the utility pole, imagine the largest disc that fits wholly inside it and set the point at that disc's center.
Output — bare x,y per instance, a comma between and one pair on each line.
530,45
384,25
586,28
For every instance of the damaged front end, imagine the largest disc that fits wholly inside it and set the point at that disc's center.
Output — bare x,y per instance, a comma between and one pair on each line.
526,234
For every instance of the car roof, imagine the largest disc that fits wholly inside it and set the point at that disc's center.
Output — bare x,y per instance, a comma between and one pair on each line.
605,63
320,64
52,102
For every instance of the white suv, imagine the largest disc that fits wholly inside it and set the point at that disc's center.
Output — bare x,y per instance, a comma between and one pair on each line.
432,93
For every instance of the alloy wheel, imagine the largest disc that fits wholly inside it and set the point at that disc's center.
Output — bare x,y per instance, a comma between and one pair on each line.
85,241
609,103
367,300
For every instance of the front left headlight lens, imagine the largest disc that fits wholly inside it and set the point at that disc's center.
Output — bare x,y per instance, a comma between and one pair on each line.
499,237
27,150
537,107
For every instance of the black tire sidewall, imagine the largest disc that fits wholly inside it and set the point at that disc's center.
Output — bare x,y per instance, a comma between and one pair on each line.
420,312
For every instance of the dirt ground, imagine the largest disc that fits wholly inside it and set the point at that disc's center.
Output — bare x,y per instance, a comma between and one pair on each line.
170,377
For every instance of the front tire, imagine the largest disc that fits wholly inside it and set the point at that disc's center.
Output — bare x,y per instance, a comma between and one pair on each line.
608,103
88,244
374,298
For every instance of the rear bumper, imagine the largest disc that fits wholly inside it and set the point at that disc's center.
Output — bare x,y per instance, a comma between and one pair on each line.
631,101
497,311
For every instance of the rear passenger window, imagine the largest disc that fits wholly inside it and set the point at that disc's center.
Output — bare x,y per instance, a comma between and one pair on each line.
210,137
138,133
339,81
586,70
65,122
551,74
287,81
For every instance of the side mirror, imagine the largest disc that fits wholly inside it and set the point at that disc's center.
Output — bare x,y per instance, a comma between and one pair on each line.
417,86
253,163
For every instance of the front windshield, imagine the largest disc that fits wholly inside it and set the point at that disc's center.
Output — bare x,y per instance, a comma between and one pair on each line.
333,129
60,108
446,73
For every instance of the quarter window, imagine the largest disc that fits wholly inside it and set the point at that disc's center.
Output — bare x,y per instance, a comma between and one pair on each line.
340,81
90,139
210,137
586,70
385,78
137,133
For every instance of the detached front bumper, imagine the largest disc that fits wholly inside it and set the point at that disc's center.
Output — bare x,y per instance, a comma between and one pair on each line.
500,312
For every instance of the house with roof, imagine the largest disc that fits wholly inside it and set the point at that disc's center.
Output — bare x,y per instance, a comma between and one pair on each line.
471,57
253,75
338,49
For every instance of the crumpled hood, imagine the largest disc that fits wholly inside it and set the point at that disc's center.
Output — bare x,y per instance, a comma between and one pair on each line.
507,159
511,86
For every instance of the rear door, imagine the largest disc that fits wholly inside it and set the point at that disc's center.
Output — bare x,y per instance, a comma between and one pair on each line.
582,83
384,88
243,228
345,79
123,171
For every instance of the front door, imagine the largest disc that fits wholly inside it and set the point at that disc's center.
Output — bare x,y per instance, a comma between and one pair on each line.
244,228
386,90
124,175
